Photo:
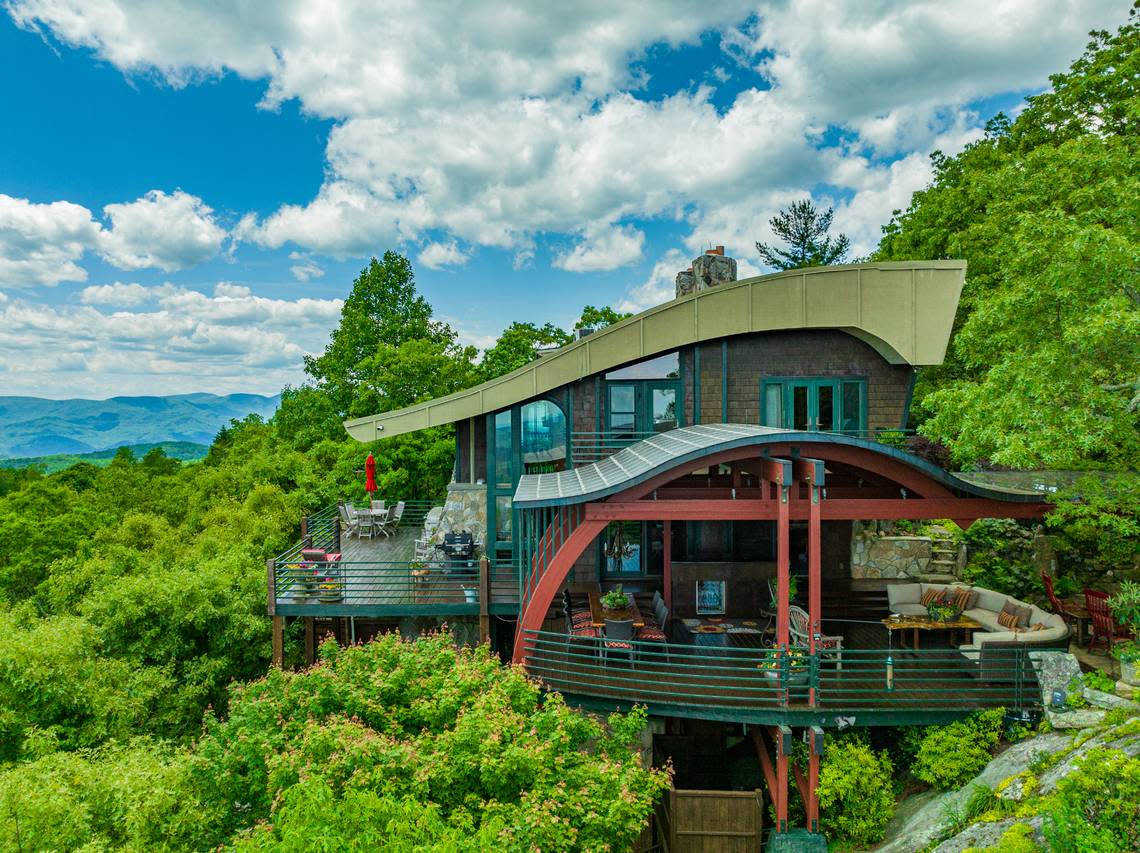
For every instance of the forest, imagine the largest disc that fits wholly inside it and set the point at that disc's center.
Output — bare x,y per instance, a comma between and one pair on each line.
138,710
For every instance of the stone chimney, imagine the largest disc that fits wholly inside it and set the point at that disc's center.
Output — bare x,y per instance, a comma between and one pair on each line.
709,270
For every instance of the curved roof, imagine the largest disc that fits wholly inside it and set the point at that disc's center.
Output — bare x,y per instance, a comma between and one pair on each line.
905,310
646,459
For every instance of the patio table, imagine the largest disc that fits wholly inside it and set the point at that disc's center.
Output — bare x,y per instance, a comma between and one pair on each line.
915,624
598,615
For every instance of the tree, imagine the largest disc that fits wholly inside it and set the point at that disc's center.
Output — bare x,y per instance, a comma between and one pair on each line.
804,228
599,318
518,345
383,308
1044,368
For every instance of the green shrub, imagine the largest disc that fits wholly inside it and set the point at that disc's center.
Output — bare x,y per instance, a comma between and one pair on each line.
1017,839
856,799
1097,680
1097,807
950,756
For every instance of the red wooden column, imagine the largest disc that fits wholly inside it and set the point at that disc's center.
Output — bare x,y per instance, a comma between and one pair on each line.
667,556
779,471
815,749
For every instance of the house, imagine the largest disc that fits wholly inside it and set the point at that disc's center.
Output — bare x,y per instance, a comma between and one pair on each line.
713,452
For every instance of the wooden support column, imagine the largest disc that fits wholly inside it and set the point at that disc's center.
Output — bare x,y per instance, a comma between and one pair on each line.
278,630
484,600
305,532
783,563
779,735
815,749
815,579
667,558
766,766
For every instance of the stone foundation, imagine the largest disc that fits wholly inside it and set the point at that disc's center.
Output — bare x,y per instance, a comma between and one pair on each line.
876,556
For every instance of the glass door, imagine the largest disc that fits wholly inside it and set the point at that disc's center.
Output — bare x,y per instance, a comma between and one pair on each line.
814,405
637,409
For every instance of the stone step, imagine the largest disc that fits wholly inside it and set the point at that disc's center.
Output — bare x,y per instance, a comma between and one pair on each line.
936,577
944,564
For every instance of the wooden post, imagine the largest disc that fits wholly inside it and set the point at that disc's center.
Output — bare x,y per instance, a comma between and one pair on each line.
778,733
484,600
271,586
815,606
305,530
278,629
667,572
310,641
815,747
783,562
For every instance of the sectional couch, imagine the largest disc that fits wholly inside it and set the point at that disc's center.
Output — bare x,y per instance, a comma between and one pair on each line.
904,599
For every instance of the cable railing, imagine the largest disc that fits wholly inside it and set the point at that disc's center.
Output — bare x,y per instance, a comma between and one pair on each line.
690,679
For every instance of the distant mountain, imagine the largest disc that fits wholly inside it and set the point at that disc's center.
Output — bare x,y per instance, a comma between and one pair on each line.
187,451
33,426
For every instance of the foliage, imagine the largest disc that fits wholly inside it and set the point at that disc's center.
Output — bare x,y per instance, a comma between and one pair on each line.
396,727
518,345
1097,808
615,599
1098,525
170,451
599,318
999,557
804,228
855,796
1125,605
949,756
1043,370
1097,680
1126,652
1017,839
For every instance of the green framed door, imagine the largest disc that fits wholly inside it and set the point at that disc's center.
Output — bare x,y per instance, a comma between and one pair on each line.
816,404
637,408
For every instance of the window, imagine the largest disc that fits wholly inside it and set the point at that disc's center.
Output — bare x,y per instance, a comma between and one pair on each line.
815,404
503,449
543,437
632,549
666,366
503,518
623,410
636,409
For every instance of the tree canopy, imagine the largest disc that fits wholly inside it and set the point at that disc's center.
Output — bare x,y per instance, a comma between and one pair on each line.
1045,365
805,230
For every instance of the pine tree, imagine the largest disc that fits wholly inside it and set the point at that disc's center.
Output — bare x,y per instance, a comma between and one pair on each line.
804,228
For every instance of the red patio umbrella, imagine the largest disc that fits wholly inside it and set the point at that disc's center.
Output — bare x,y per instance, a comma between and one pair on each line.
370,475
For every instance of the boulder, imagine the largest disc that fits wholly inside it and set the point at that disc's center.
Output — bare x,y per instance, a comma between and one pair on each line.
1055,671
983,835
1076,718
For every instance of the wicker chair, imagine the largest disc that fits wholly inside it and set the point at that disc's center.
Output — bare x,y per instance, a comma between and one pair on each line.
799,624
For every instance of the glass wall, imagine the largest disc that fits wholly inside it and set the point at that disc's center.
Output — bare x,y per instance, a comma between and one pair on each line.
543,442
814,404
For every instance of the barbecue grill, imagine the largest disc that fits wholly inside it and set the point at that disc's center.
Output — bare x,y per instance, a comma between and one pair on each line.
460,548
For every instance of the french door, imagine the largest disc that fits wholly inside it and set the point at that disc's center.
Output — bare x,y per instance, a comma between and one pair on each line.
814,404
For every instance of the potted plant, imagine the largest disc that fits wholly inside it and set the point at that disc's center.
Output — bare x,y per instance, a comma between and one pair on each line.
329,591
796,662
942,612
792,591
1128,654
615,599
305,577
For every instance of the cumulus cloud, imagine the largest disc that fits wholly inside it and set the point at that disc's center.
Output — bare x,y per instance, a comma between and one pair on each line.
170,232
42,243
304,268
603,247
440,255
119,337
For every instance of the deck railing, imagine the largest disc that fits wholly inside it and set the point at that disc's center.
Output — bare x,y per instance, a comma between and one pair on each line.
587,447
758,685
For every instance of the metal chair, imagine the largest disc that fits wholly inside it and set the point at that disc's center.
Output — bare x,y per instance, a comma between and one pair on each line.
1104,627
799,625
391,522
618,636
349,520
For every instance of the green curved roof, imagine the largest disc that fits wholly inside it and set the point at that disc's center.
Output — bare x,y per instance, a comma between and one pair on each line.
904,309
645,459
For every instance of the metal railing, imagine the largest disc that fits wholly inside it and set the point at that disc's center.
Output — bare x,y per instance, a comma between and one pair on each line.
543,532
685,679
587,447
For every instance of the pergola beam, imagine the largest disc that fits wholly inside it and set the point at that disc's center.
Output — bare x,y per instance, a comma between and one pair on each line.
843,509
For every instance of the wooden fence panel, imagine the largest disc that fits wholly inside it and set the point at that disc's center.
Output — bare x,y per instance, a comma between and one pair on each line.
715,821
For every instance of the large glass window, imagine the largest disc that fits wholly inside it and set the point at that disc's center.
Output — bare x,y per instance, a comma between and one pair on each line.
503,518
632,548
664,409
814,404
623,410
635,409
666,366
543,437
503,449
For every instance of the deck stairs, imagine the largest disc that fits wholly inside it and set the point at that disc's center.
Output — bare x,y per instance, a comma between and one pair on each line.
943,566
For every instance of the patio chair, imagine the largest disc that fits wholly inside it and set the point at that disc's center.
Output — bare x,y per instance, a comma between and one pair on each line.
377,506
349,520
618,636
1072,619
1104,627
655,632
392,523
799,624
365,524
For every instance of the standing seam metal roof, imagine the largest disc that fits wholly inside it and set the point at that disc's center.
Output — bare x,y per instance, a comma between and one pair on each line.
645,459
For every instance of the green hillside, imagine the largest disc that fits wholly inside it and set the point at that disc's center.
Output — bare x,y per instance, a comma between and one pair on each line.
186,451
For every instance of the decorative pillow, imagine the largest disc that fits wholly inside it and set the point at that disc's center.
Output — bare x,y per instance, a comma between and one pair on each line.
959,597
1038,626
972,600
935,593
1008,620
1024,614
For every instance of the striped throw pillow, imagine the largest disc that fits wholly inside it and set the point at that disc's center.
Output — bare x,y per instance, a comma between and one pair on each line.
932,595
959,597
1008,620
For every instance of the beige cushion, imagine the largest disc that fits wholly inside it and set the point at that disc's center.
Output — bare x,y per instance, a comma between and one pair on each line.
903,593
990,600
986,618
1049,635
981,638
909,610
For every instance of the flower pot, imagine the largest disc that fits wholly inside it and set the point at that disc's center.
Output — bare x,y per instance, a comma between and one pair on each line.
329,596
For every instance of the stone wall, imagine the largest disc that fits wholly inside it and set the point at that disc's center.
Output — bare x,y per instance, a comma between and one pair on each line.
875,556
465,508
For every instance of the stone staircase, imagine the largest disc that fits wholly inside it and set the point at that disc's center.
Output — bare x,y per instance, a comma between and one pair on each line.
943,566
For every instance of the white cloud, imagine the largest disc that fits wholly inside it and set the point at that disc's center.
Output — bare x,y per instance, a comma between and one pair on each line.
170,232
603,247
660,286
41,243
231,340
305,268
440,255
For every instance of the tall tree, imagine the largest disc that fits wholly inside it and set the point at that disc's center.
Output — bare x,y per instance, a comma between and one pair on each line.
519,344
804,228
1045,365
598,318
384,308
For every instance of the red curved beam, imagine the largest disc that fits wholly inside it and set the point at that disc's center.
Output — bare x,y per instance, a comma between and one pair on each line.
539,604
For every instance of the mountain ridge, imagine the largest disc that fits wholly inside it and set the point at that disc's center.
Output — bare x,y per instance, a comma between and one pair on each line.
37,426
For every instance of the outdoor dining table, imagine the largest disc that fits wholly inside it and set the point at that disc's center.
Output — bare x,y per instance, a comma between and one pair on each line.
598,615
736,633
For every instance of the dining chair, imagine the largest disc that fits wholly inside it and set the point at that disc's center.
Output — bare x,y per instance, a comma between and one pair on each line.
1104,627
377,505
619,637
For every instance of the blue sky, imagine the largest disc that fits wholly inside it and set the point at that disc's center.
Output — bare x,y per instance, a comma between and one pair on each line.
187,190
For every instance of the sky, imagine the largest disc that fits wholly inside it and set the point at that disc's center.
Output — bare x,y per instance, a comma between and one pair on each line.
187,190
